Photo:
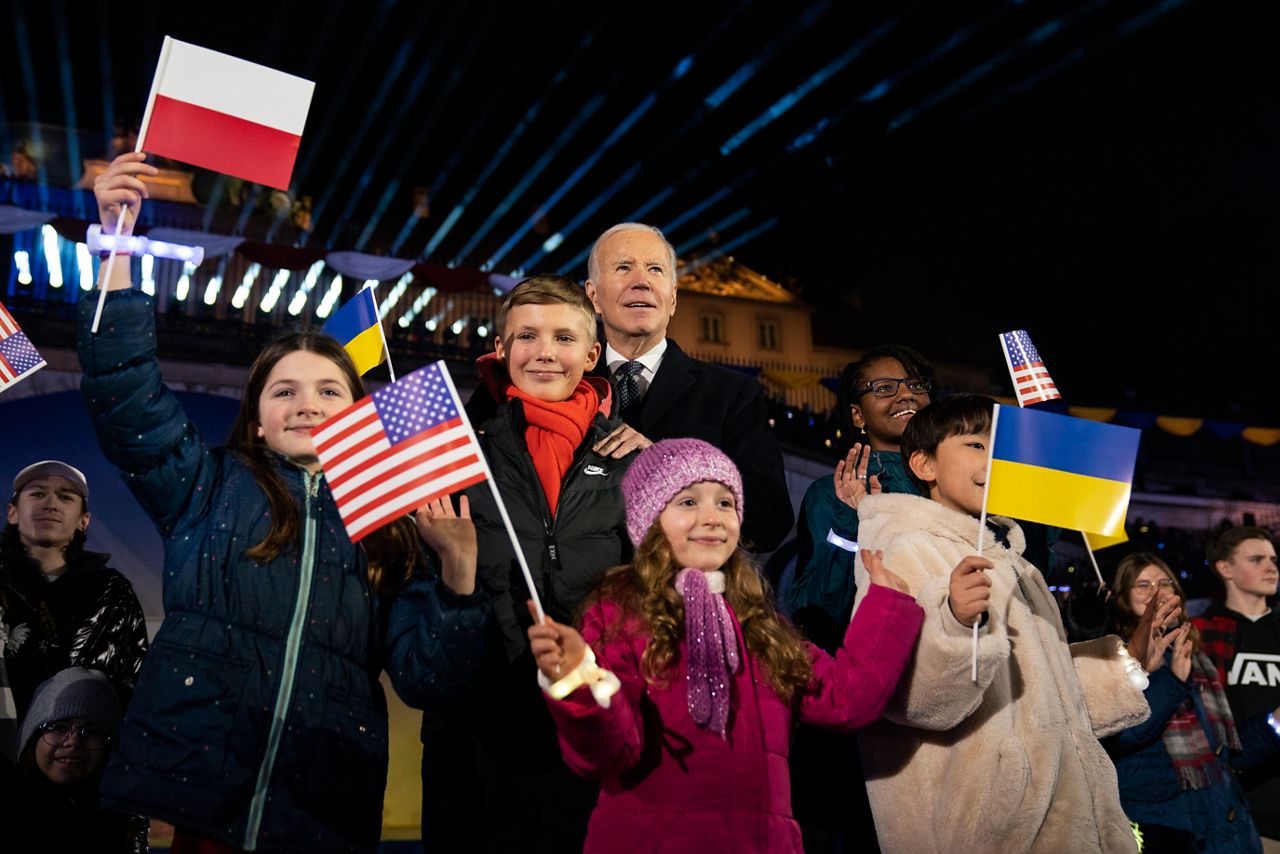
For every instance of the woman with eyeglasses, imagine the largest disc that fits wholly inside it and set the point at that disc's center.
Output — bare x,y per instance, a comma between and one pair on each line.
1176,769
49,802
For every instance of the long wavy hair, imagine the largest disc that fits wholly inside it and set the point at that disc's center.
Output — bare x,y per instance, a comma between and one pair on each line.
393,552
1122,619
645,590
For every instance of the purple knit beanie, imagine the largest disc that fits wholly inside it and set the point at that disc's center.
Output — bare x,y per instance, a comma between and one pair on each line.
663,469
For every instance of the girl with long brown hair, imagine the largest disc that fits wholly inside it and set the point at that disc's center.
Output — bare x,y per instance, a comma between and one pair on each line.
259,722
680,690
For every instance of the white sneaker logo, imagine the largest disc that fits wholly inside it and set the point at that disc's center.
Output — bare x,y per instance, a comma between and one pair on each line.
595,470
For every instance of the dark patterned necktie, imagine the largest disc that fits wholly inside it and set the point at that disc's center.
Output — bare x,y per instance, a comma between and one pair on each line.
628,388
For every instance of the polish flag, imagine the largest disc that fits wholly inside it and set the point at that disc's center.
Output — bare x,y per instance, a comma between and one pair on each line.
226,114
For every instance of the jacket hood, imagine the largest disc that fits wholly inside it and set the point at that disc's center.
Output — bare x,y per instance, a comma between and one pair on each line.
495,379
886,514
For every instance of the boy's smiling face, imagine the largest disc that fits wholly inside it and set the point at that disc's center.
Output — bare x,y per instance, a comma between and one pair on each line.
547,348
956,472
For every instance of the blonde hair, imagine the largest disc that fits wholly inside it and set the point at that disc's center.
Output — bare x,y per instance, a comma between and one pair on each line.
549,290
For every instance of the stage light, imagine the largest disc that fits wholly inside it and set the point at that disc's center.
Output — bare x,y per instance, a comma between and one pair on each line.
241,296
148,277
418,305
397,291
330,297
183,288
22,261
52,261
212,290
308,282
84,261
272,296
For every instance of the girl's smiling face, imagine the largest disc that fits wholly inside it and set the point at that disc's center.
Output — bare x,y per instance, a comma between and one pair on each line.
301,391
701,524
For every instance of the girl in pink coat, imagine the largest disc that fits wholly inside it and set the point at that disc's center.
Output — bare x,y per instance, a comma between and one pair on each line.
680,690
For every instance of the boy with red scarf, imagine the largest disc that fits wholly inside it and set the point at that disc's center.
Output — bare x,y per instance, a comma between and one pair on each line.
493,778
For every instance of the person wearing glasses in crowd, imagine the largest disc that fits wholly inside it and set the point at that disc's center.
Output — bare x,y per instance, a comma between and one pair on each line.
879,394
50,803
1177,769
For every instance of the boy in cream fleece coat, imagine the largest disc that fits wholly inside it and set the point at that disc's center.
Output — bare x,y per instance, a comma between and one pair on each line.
1011,762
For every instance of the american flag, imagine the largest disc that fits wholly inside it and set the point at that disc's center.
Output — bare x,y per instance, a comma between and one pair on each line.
395,450
18,357
1031,382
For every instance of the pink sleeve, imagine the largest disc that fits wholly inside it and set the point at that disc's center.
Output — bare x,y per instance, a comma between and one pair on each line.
597,742
851,689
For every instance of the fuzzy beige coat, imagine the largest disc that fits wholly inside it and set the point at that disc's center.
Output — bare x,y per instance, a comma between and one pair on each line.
1010,763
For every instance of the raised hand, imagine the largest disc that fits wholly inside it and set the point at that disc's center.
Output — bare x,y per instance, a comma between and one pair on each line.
121,185
557,649
1148,643
881,574
970,589
851,482
1181,665
453,537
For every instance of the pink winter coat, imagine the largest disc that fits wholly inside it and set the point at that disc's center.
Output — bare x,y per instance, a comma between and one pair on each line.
668,785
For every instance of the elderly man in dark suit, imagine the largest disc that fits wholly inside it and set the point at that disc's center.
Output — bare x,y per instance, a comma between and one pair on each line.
664,393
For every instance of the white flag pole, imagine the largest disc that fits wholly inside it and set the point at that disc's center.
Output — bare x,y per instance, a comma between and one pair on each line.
497,498
382,334
122,228
1088,547
121,234
982,528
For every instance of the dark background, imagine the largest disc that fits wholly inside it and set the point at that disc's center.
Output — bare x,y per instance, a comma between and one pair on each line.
1103,174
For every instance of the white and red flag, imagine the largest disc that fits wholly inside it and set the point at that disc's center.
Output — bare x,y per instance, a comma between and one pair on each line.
1031,382
230,115
393,451
18,356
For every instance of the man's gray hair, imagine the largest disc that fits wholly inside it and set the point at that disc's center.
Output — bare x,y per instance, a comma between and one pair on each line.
593,265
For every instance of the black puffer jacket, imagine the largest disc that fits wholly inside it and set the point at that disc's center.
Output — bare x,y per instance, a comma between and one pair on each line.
88,617
568,553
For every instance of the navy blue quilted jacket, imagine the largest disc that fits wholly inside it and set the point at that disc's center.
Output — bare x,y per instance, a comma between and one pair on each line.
258,717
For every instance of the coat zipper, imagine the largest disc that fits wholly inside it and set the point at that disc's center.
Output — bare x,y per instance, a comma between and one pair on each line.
293,645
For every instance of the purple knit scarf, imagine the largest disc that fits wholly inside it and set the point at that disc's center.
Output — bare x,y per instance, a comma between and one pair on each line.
713,650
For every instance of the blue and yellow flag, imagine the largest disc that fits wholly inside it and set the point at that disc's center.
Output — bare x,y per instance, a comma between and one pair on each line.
1063,471
355,325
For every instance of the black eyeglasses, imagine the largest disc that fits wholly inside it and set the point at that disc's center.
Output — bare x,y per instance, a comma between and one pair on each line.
888,386
56,733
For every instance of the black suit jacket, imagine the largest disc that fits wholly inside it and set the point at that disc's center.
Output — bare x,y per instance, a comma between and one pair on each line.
692,398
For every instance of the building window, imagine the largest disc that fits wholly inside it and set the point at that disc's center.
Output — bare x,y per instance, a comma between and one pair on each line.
712,324
770,334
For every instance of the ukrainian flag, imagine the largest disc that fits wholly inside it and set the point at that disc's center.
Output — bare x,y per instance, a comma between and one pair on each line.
1063,471
356,326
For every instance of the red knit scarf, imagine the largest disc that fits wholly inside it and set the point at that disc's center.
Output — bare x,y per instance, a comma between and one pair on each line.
556,429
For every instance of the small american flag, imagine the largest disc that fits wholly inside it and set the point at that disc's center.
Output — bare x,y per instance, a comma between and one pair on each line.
395,450
18,357
1031,382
